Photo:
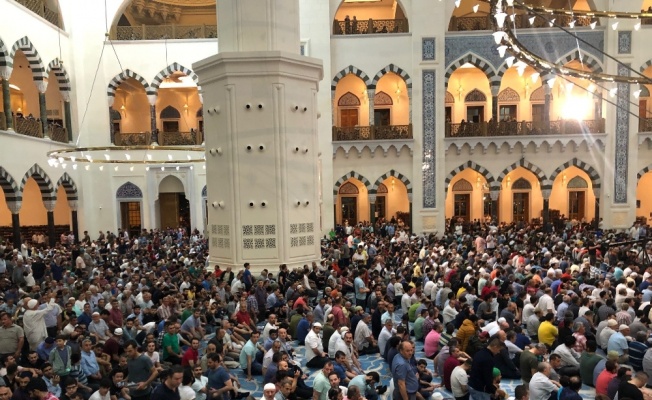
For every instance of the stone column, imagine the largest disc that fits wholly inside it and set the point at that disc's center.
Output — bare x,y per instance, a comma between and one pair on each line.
75,222
43,114
6,101
596,217
545,214
371,93
411,211
267,130
495,195
14,207
111,130
152,118
67,112
409,93
546,105
372,209
495,88
49,206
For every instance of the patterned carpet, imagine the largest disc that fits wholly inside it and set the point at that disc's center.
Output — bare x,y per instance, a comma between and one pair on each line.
376,363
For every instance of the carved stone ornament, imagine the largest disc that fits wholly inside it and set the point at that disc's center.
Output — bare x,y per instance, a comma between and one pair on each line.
383,99
349,99
450,99
509,95
462,186
349,188
475,96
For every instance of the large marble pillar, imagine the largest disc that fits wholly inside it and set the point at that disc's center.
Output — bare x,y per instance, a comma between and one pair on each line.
152,119
75,221
371,94
14,207
545,214
494,194
43,111
67,114
262,172
372,209
52,237
6,102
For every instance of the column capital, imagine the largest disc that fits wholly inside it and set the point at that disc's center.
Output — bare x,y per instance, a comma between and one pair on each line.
65,95
5,73
410,197
494,195
495,89
546,193
49,205
152,99
42,86
14,206
73,204
372,198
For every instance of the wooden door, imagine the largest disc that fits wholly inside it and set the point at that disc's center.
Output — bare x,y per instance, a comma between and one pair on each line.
348,117
521,207
350,210
462,206
381,206
577,205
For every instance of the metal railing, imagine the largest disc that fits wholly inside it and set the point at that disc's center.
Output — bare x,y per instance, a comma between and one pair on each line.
518,128
28,126
365,26
483,22
191,138
645,125
132,138
388,132
39,7
57,133
160,32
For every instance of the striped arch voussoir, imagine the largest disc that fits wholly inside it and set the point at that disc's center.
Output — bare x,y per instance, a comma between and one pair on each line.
351,70
42,179
491,181
33,58
6,62
475,60
69,186
587,60
590,171
643,172
395,174
9,187
543,181
646,65
63,81
352,174
123,76
392,68
167,71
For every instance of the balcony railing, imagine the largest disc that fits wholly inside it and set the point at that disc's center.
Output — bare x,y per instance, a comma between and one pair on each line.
372,132
160,32
193,138
516,128
483,22
353,27
645,125
180,138
39,7
28,126
57,133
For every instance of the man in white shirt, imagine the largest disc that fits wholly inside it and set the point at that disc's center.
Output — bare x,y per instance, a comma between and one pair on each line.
540,385
385,334
335,337
460,379
315,356
364,339
271,324
450,312
406,300
199,385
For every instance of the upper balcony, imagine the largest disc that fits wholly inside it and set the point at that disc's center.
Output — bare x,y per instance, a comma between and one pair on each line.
166,20
378,132
519,128
48,10
364,18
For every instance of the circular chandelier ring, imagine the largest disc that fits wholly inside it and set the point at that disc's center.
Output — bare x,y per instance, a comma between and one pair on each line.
75,155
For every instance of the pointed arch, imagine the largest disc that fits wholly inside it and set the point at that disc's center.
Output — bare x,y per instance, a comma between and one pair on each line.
509,94
170,112
645,65
395,69
395,174
478,62
586,58
349,188
491,181
521,184
450,99
539,94
43,180
6,62
348,99
9,187
63,80
577,183
462,186
351,70
129,191
69,186
538,172
121,77
33,58
475,95
167,71
352,174
590,171
383,99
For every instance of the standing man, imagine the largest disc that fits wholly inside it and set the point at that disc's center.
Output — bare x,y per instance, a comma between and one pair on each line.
34,321
12,337
406,384
169,390
141,372
360,290
481,378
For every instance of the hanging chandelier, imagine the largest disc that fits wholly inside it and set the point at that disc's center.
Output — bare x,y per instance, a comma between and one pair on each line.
502,12
128,156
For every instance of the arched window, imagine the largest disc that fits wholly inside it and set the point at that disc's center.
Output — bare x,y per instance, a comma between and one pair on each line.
475,110
475,96
578,183
170,117
508,100
462,186
349,188
521,184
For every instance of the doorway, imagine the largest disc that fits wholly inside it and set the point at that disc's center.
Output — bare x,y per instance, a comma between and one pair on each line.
475,114
381,206
175,210
521,207
462,206
130,217
348,117
382,117
576,205
350,210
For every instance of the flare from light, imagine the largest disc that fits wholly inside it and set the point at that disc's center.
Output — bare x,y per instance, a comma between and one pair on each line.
613,91
74,166
127,156
476,8
614,26
501,51
87,167
131,168
101,167
535,77
638,25
551,82
532,19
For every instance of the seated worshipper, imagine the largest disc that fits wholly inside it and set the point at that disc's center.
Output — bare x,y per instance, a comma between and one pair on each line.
342,369
623,375
303,327
504,362
632,389
541,386
609,372
588,360
269,355
272,367
494,327
431,343
315,356
570,391
455,359
366,384
248,361
547,332
426,386
364,339
618,342
570,364
529,361
637,349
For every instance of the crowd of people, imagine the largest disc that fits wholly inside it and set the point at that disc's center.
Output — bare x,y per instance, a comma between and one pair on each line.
142,317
